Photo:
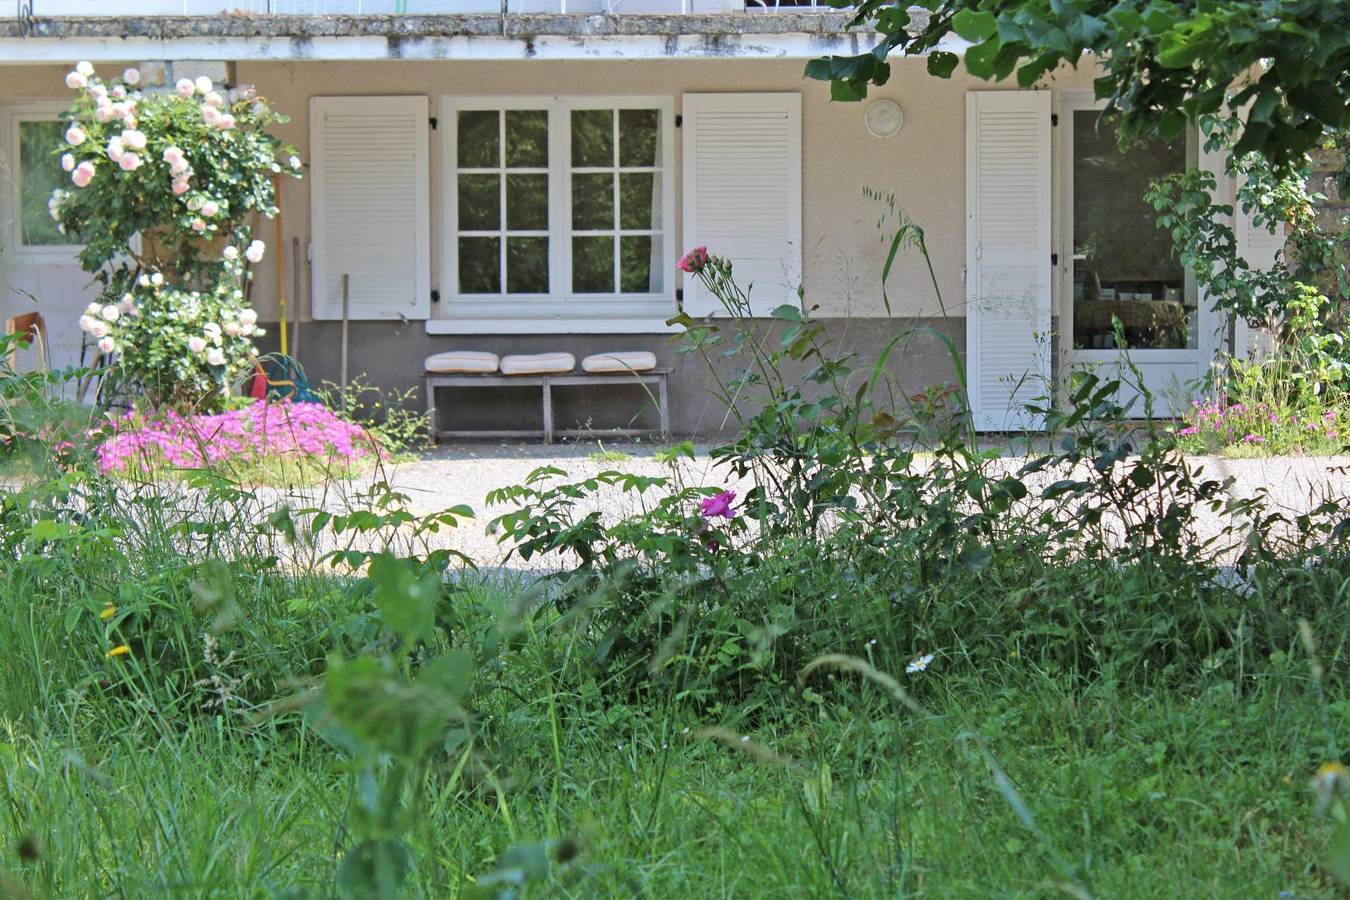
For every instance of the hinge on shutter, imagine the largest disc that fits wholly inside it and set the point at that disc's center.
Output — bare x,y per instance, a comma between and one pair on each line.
1054,119
435,296
679,120
433,123
679,295
1054,259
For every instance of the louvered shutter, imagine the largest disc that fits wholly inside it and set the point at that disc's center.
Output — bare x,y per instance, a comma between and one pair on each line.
743,193
1259,246
1008,267
370,206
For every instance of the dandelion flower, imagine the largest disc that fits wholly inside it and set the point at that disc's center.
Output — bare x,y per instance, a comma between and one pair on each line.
108,612
119,650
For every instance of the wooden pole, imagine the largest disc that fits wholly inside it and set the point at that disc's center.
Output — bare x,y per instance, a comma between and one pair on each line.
296,298
281,266
346,282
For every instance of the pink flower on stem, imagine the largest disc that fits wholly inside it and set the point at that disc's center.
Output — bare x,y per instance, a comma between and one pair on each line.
1189,430
694,261
1253,439
718,505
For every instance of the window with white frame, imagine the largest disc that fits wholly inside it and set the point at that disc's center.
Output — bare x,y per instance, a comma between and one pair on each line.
557,208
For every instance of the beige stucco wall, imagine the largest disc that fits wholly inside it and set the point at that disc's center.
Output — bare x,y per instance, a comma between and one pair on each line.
843,247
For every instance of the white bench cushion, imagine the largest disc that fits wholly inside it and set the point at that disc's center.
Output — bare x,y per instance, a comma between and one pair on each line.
462,361
538,363
621,361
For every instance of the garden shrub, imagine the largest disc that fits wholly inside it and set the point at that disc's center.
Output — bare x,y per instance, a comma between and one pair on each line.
884,531
185,171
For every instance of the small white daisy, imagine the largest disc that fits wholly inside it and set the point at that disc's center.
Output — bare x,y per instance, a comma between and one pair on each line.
919,664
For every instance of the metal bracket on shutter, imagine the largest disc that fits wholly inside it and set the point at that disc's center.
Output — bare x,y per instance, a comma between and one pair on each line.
679,120
1054,119
1054,259
434,122
435,296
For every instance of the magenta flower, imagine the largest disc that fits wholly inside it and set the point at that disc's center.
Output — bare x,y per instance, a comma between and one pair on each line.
1253,439
694,261
1189,430
718,505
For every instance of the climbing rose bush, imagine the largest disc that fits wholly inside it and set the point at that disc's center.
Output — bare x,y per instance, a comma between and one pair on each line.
258,434
163,187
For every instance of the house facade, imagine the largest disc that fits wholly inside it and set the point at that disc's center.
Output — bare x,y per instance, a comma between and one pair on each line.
524,179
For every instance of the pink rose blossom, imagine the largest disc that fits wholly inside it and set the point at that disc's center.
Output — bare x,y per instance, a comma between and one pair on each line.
75,81
198,225
107,345
210,208
254,253
132,76
196,343
75,135
68,162
718,505
694,261
129,162
115,149
83,174
133,139
184,87
180,187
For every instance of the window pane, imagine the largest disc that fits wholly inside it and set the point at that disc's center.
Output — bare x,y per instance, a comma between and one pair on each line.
593,201
592,137
527,202
527,138
480,202
637,272
480,265
638,129
639,201
41,174
479,139
593,265
527,265
1124,266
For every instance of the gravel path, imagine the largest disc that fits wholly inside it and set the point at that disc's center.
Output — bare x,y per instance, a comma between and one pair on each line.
464,473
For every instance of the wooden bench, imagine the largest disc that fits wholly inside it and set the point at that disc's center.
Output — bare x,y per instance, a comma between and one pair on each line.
658,377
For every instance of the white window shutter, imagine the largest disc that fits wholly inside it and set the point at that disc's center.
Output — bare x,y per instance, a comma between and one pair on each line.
743,193
1008,271
1259,246
370,206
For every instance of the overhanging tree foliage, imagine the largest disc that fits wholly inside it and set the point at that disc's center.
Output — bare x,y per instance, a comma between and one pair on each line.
1285,63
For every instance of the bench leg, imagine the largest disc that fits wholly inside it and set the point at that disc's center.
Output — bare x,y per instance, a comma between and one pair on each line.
431,416
663,400
548,411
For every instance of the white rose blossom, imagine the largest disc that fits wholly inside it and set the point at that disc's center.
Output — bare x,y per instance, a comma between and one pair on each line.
203,85
75,135
132,76
107,345
196,343
112,313
254,253
85,68
184,87
215,357
231,253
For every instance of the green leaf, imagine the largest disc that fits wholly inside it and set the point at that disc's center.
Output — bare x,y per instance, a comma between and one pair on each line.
980,58
975,26
942,63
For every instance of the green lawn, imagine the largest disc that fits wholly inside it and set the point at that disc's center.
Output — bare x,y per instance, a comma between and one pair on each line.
1110,791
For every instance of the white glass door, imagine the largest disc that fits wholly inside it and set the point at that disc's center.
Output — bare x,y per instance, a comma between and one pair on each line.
1118,266
38,266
